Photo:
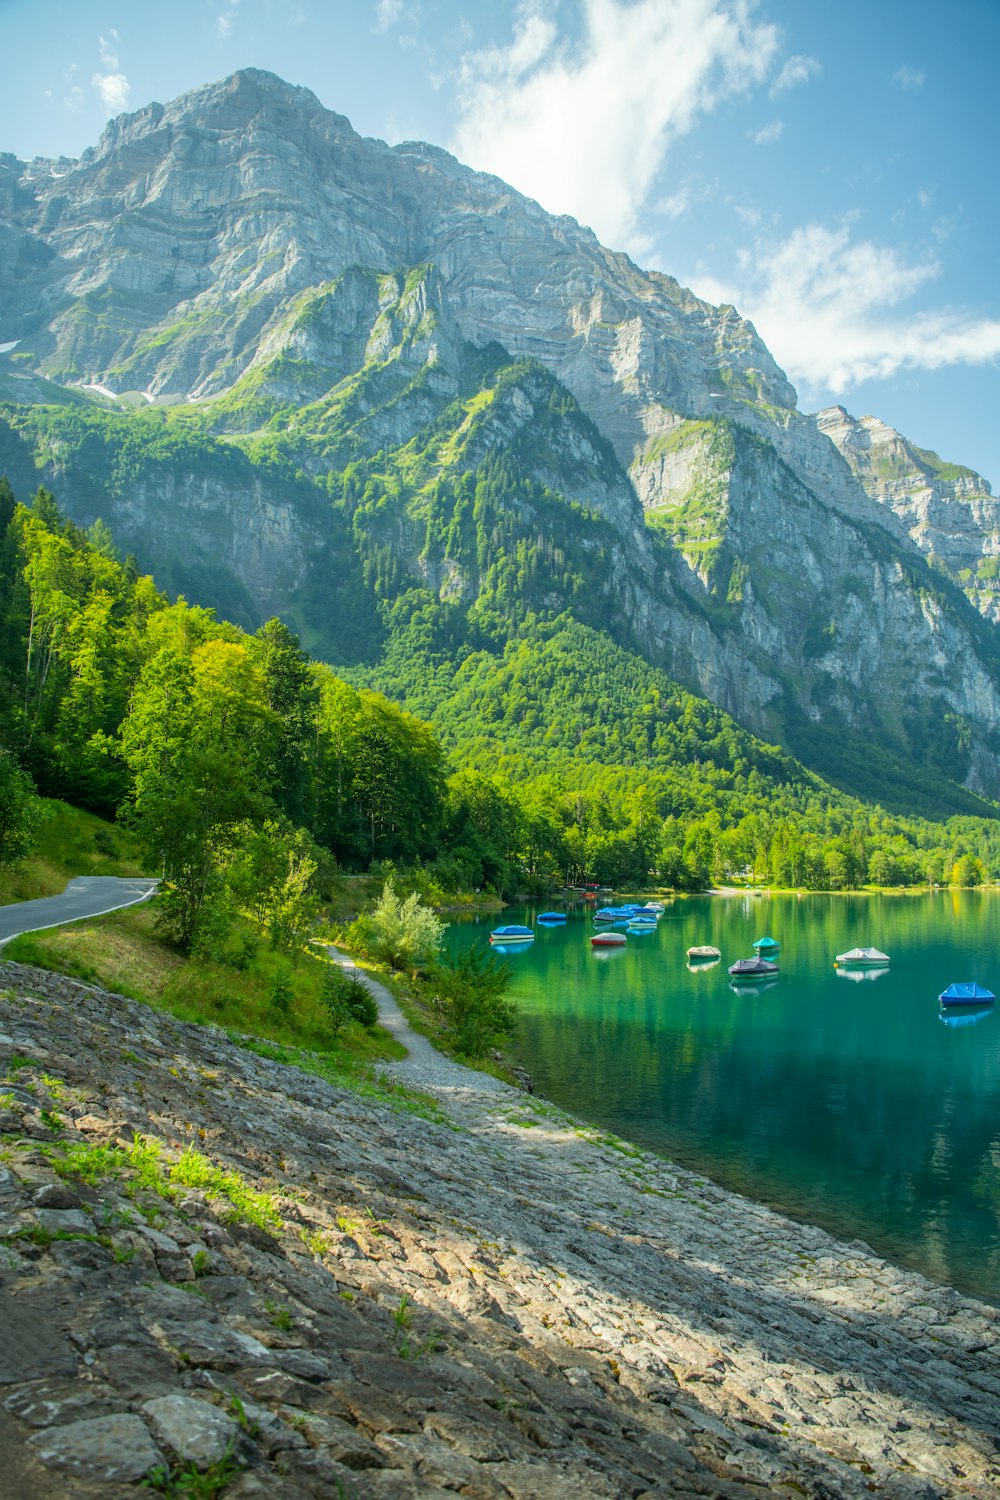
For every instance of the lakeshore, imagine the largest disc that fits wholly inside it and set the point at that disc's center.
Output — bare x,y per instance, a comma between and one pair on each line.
502,1301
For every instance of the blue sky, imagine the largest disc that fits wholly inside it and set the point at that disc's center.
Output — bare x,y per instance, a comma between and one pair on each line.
830,169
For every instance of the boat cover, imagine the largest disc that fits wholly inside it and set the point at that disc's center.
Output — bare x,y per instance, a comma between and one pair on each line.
968,993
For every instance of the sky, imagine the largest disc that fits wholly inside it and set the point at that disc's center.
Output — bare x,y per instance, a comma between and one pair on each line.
830,169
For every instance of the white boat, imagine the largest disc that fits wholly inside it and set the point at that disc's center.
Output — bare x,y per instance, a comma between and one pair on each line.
862,958
704,953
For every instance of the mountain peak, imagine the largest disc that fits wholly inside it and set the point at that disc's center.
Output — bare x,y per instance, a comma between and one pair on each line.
228,104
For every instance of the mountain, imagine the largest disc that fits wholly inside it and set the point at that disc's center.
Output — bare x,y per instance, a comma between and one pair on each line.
300,371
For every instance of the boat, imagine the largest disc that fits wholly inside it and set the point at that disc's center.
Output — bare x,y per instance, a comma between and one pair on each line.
870,958
640,927
608,940
552,916
752,968
766,945
656,906
513,934
643,919
968,993
705,954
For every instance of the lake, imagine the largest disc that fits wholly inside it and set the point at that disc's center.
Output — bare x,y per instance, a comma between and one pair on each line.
839,1099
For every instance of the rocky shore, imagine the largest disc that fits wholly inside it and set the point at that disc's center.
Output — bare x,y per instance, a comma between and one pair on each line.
222,1275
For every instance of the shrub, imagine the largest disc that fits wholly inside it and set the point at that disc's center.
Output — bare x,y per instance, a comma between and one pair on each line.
471,992
402,934
346,998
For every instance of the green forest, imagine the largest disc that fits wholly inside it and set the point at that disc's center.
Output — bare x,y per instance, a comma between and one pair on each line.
248,772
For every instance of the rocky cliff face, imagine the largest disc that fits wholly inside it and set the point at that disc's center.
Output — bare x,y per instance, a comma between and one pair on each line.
280,301
947,510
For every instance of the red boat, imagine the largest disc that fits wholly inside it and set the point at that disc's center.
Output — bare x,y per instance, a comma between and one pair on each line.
608,940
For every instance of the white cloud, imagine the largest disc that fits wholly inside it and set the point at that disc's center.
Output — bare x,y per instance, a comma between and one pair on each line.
74,98
584,128
832,311
796,70
909,78
108,48
113,89
676,205
224,22
387,13
768,134
111,84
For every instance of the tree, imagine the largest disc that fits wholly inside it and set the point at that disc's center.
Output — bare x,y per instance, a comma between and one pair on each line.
196,740
291,694
967,870
20,810
471,991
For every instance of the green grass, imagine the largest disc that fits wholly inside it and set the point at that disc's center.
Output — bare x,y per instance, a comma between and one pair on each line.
70,842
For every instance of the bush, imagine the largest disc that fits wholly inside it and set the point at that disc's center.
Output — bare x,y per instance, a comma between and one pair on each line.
402,934
346,998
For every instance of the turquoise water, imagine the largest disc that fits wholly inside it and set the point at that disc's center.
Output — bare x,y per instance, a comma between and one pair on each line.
843,1102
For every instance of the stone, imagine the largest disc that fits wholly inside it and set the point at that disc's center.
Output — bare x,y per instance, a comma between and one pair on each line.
33,1346
66,1221
197,1432
117,1448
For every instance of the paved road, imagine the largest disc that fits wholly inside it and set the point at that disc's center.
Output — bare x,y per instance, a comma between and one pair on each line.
86,896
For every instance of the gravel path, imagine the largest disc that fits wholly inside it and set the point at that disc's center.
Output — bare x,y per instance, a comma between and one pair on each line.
425,1067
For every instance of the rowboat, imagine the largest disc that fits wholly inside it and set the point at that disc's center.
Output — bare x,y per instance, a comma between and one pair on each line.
752,968
705,954
966,994
869,958
608,940
513,934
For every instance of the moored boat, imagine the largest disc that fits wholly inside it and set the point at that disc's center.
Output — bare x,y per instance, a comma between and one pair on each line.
552,916
704,954
513,934
862,958
766,945
608,940
752,968
968,993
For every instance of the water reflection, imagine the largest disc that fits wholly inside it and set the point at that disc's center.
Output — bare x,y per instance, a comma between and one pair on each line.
858,976
758,987
966,1017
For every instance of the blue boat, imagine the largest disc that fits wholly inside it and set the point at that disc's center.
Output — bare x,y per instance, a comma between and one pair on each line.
765,945
512,935
552,916
968,993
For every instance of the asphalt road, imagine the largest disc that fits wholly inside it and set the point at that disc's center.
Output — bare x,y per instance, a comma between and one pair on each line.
86,896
